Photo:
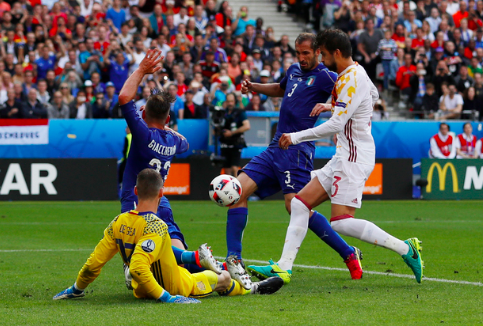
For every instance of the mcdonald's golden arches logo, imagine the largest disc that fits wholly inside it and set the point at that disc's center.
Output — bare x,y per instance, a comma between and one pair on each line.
442,176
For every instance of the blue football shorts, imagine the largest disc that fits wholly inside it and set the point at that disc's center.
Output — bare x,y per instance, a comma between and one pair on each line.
276,169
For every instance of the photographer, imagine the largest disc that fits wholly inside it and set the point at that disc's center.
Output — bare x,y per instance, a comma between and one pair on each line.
231,135
441,76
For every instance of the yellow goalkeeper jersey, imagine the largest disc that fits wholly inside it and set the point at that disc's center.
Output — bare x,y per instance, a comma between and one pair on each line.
143,242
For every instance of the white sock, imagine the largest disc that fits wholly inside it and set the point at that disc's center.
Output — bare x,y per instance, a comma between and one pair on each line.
297,229
76,287
369,232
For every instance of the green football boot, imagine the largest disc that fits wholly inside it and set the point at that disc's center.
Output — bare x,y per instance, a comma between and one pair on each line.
413,258
264,272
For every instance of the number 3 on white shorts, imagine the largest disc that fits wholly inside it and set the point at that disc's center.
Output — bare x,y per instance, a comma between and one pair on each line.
293,90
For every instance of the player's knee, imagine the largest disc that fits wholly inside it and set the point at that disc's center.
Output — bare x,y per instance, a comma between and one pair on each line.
224,281
299,204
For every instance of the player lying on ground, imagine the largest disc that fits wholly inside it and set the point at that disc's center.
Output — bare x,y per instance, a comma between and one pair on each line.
342,179
143,242
153,146
305,84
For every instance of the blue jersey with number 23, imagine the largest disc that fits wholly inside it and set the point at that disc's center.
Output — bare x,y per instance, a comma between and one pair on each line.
151,148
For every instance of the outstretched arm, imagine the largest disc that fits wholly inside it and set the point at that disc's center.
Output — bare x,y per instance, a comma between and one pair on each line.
149,65
272,90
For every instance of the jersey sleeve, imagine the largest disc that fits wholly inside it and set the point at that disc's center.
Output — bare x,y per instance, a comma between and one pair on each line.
283,82
349,96
147,251
138,127
104,251
182,144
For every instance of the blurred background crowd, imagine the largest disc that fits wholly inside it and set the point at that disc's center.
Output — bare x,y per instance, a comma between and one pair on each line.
69,59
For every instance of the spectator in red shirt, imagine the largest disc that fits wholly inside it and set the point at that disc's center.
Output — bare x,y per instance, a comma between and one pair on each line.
470,50
187,38
4,6
61,29
182,88
398,35
191,110
56,13
223,18
404,74
459,15
439,42
102,42
419,40
473,20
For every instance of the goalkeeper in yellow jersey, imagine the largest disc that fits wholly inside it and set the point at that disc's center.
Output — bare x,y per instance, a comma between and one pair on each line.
143,242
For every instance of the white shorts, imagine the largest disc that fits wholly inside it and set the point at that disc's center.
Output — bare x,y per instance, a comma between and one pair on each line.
343,181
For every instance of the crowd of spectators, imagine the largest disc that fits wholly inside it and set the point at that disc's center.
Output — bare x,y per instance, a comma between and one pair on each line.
68,59
420,48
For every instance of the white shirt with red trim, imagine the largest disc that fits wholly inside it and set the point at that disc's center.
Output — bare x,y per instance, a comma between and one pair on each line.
466,144
353,99
446,150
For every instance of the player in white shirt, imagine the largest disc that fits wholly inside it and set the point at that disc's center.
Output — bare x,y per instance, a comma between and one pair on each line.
342,179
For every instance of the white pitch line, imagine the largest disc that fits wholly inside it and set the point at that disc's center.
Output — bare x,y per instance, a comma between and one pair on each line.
432,279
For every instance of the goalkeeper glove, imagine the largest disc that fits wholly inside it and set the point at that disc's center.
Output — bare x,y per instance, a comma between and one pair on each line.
70,293
168,298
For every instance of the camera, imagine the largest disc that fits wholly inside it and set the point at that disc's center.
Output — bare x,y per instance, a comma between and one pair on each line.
217,116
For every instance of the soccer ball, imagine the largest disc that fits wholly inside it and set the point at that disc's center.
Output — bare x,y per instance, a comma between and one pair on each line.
225,190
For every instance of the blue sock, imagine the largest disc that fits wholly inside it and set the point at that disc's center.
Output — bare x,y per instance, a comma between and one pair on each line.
235,224
188,258
193,268
321,227
184,256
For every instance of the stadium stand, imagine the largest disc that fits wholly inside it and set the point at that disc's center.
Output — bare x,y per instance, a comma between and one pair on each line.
86,49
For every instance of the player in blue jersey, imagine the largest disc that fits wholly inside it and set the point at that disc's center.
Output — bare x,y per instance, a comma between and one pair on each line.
154,146
305,84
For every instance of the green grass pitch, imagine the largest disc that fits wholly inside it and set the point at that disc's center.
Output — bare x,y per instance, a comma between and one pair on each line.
43,245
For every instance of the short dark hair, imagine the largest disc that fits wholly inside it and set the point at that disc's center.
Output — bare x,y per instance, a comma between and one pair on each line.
466,123
159,104
333,39
444,124
303,37
148,183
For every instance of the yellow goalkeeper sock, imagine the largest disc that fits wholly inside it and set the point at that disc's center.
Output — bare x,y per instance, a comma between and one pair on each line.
235,288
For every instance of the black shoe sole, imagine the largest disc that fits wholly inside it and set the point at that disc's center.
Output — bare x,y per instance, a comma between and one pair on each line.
261,277
270,285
